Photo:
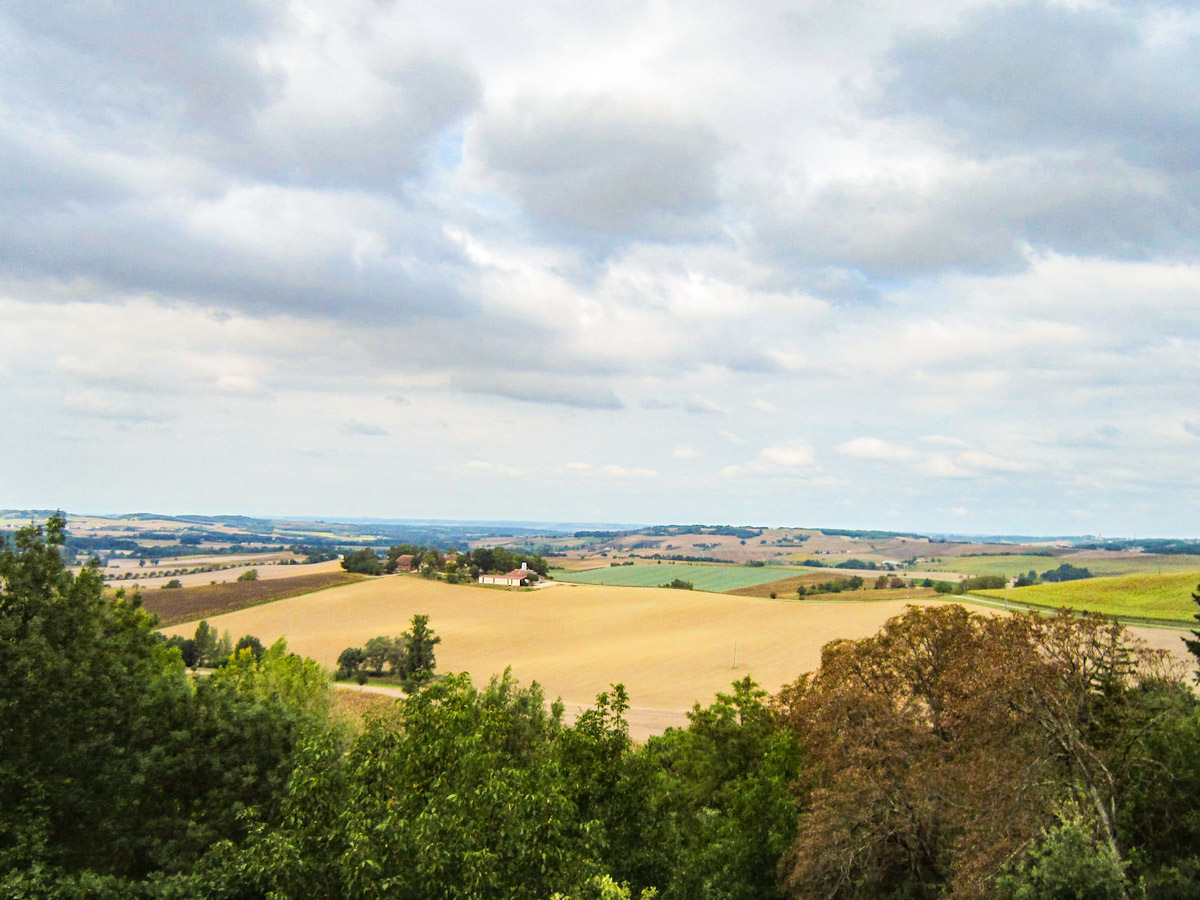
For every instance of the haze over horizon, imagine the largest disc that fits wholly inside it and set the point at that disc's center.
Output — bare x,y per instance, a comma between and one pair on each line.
930,267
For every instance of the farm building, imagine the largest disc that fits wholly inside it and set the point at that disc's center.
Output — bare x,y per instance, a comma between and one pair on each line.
516,578
404,562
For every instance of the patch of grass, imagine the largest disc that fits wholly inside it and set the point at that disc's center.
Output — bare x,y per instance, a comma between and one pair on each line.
1166,597
1011,566
704,578
355,706
205,601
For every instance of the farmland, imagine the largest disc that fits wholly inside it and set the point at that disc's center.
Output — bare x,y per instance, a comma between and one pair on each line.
1166,596
704,578
191,603
1097,562
670,648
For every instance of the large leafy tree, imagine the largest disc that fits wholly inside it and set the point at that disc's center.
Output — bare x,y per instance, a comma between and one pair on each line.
114,765
83,681
455,794
942,749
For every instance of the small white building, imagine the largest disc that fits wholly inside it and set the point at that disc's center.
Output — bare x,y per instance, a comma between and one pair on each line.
516,578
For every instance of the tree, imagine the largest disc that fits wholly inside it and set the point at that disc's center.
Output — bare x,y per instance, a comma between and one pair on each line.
944,746
363,562
115,763
350,661
1193,643
456,795
420,641
376,653
206,639
249,575
251,643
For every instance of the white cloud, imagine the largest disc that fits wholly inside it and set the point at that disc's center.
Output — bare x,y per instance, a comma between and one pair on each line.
795,454
874,448
620,473
686,452
763,406
730,437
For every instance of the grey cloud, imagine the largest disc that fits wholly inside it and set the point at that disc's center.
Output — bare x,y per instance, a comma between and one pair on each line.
535,388
603,170
1041,75
363,429
980,219
377,145
109,63
141,77
133,247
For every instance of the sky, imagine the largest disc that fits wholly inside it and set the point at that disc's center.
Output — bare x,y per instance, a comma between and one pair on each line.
914,266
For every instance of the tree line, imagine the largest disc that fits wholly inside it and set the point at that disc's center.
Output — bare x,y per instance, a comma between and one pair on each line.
951,755
410,657
451,565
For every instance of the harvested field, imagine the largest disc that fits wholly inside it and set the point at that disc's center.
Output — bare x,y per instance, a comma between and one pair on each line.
266,571
704,577
187,604
786,589
670,648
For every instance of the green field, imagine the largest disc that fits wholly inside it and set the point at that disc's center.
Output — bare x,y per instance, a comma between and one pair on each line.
1167,596
705,578
1012,566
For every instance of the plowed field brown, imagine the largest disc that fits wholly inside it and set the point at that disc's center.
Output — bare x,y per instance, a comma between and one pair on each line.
192,603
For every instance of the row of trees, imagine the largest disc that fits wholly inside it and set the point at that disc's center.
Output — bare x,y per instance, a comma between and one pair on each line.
949,756
207,648
409,657
431,562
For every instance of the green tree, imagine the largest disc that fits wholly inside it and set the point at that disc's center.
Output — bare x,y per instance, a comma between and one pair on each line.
350,661
249,575
420,640
251,643
1193,643
376,653
363,562
455,794
206,640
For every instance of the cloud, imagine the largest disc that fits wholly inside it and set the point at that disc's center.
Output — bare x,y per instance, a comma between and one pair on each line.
730,437
941,465
874,448
112,406
539,388
479,465
243,385
686,452
795,454
763,406
1057,75
363,429
602,169
619,473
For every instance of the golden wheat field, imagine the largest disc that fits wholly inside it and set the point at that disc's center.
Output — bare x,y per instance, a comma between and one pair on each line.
670,648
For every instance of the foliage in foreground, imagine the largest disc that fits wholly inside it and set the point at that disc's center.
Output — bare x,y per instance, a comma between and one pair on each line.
949,756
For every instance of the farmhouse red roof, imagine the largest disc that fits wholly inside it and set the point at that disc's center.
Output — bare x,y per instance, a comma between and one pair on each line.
518,573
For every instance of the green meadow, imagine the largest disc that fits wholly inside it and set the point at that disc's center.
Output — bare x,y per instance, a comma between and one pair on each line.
1150,596
1012,566
705,578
